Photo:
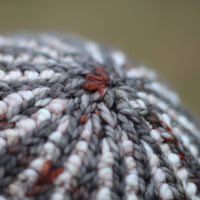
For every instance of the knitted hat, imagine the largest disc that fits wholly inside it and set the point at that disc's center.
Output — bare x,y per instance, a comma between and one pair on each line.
81,122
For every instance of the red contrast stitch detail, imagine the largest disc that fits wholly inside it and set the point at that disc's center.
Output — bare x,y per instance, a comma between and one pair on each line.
83,119
96,81
46,176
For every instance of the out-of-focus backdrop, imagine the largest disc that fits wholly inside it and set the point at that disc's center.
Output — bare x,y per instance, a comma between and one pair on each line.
164,35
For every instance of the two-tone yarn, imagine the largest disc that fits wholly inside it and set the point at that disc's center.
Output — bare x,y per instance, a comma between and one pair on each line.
80,122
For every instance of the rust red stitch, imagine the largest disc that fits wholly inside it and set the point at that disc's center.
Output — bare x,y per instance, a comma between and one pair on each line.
43,176
99,71
96,81
4,124
46,177
48,174
96,112
83,119
164,125
93,77
157,122
46,168
54,173
168,139
181,156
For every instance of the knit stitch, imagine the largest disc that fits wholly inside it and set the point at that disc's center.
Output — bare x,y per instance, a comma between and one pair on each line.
79,121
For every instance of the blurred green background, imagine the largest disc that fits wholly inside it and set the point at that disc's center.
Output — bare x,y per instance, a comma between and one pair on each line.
162,34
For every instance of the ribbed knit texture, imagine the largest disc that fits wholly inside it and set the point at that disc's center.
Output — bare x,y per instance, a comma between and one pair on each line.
81,122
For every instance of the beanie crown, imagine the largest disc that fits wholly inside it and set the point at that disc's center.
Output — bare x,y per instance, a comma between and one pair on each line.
81,121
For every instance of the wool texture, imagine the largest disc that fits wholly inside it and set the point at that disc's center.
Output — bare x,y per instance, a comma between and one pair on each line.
79,121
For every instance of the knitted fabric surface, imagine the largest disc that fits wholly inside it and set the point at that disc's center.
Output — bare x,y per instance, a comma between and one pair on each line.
79,121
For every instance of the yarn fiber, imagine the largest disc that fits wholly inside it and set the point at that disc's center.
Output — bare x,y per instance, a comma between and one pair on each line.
79,121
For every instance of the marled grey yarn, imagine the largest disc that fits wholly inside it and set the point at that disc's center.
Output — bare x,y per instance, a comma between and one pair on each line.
81,122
